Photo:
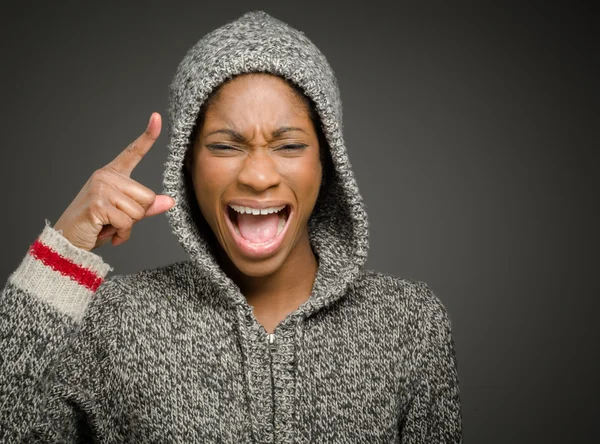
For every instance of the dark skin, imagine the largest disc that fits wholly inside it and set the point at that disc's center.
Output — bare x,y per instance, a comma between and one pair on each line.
263,166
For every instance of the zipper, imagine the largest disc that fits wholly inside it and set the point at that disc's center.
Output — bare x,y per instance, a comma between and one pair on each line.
271,340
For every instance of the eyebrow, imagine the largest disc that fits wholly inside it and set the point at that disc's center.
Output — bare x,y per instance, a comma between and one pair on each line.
241,139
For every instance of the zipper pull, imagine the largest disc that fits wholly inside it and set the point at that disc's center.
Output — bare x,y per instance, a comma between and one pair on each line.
271,337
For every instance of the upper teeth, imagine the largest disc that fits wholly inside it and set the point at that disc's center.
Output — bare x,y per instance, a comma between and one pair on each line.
249,210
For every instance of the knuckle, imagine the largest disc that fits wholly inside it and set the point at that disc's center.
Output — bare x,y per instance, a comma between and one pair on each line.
100,175
132,149
138,213
124,234
100,205
148,196
129,223
95,214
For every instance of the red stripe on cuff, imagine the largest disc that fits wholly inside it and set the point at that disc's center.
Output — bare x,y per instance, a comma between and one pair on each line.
66,267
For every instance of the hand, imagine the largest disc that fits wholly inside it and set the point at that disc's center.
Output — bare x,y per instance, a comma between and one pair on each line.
110,202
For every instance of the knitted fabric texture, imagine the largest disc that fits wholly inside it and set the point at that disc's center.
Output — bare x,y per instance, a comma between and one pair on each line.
175,354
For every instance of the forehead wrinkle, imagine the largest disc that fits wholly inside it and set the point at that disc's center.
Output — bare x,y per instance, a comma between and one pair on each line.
275,134
259,120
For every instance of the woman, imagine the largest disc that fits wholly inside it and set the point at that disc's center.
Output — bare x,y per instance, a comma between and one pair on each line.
272,331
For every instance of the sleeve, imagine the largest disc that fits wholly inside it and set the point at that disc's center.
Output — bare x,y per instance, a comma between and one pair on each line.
434,413
41,310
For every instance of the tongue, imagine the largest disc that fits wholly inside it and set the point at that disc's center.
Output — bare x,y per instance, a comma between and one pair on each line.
258,228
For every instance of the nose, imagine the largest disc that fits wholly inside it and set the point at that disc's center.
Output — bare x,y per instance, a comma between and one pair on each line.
259,171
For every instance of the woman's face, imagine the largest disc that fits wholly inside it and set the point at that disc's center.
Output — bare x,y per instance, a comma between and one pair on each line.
257,152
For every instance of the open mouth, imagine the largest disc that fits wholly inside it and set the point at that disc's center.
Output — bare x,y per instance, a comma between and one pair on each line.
258,232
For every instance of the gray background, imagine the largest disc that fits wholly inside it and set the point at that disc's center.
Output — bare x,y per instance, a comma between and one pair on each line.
473,132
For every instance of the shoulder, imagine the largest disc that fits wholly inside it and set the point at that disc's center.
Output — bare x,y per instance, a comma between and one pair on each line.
164,278
406,297
411,309
145,287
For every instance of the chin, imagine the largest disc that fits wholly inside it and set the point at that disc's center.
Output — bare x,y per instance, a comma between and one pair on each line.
260,268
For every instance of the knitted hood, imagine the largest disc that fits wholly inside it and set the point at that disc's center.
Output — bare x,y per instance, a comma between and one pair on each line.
338,227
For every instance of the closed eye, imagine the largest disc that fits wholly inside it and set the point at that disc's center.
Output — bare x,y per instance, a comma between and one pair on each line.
292,147
217,147
289,147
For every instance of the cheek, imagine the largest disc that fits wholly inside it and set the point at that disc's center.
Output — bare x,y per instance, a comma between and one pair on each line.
211,178
305,180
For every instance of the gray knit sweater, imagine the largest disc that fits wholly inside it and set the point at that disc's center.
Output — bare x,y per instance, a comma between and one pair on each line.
175,354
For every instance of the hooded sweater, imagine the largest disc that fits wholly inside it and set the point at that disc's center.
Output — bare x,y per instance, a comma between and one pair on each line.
175,354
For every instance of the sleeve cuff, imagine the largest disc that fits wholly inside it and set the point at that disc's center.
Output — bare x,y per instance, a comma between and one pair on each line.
59,273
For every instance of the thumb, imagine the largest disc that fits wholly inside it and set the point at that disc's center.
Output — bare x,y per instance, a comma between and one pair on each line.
161,204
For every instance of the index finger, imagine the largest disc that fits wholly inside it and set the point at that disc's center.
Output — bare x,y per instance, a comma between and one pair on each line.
128,159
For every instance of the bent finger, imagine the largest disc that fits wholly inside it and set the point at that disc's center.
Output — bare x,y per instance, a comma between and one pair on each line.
127,205
161,204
